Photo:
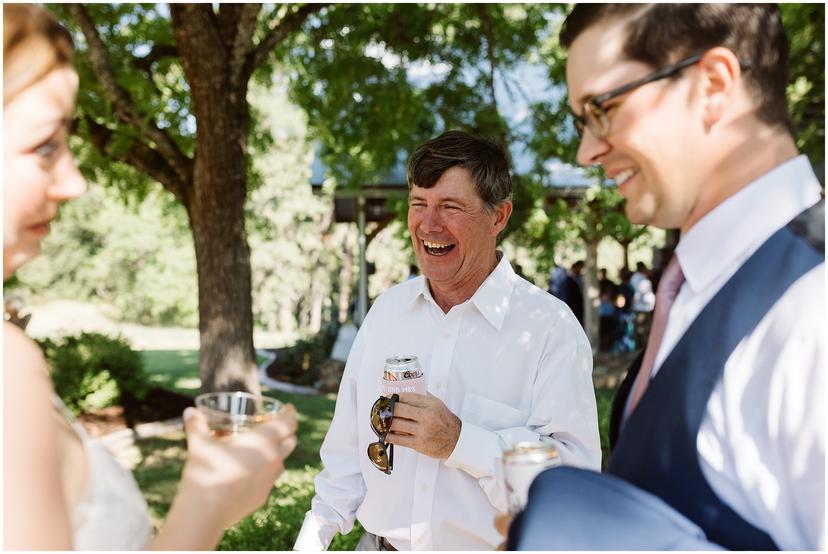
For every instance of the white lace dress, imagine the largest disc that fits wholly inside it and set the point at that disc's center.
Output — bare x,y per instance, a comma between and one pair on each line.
112,514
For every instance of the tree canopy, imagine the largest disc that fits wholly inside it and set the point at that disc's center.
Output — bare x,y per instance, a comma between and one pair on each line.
183,95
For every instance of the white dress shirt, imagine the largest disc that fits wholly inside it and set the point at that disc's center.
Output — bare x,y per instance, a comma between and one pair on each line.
762,441
512,363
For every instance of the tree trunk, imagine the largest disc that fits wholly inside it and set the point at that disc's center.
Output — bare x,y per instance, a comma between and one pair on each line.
287,323
346,277
317,299
216,205
625,245
591,294
217,52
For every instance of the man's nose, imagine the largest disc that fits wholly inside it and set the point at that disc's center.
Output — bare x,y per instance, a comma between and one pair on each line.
431,221
591,149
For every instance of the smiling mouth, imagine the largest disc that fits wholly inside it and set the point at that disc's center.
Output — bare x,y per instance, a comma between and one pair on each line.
437,248
625,176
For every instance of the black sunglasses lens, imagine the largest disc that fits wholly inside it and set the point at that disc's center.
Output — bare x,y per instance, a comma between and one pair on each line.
378,455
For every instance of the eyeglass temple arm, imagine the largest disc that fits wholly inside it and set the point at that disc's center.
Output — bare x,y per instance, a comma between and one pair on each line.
660,74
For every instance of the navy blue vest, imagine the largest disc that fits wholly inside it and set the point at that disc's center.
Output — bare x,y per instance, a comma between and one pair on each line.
657,449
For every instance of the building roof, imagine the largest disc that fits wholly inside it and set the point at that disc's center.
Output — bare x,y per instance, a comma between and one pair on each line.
394,184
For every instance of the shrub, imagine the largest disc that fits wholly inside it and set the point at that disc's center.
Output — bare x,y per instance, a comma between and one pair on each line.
91,371
303,361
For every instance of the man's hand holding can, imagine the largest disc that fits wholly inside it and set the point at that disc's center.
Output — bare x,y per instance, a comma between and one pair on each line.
424,423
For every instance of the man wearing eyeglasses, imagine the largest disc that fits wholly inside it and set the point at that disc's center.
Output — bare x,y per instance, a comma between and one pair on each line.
718,434
504,361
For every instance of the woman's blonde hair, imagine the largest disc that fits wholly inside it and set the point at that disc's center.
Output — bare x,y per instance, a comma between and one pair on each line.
34,44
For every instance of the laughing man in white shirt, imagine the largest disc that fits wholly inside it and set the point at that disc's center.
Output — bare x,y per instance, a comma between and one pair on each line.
504,361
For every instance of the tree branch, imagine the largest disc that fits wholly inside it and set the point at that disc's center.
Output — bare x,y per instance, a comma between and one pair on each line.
486,23
200,45
144,64
288,24
240,42
122,103
158,51
140,156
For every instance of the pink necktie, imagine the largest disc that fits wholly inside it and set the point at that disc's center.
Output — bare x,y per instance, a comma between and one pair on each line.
668,289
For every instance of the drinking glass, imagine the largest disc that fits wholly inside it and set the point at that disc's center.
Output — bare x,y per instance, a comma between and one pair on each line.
231,412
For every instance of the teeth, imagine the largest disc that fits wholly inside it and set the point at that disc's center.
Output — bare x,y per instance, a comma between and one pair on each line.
622,177
435,244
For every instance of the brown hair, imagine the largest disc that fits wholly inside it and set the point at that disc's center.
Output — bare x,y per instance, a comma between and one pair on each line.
660,34
485,160
34,44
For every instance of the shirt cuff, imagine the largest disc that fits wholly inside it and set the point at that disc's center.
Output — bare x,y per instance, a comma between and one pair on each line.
476,451
315,535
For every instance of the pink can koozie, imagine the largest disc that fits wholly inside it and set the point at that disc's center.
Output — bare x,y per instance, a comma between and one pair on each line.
403,374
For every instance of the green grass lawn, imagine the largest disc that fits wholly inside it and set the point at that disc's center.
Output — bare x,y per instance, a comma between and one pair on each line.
275,526
175,369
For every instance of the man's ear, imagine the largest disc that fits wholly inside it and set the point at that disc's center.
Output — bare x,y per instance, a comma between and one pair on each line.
502,212
721,74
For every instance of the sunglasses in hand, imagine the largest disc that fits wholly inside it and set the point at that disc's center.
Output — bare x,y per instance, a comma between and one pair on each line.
381,453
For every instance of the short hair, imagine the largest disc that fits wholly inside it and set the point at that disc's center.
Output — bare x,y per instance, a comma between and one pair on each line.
34,44
660,34
484,159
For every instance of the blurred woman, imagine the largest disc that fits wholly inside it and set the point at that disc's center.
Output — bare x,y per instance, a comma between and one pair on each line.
63,490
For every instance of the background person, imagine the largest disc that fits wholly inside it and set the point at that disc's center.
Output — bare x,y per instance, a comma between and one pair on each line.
504,362
557,276
718,433
63,490
643,302
572,291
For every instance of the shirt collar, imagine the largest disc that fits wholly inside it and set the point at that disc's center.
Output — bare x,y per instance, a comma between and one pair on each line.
739,225
492,299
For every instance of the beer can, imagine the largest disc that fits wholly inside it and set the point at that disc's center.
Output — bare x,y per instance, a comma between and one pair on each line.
521,464
403,374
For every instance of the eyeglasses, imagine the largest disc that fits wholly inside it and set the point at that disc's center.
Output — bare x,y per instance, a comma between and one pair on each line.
381,453
594,115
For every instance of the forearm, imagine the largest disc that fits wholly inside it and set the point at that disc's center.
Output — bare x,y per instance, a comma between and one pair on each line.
479,453
193,523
